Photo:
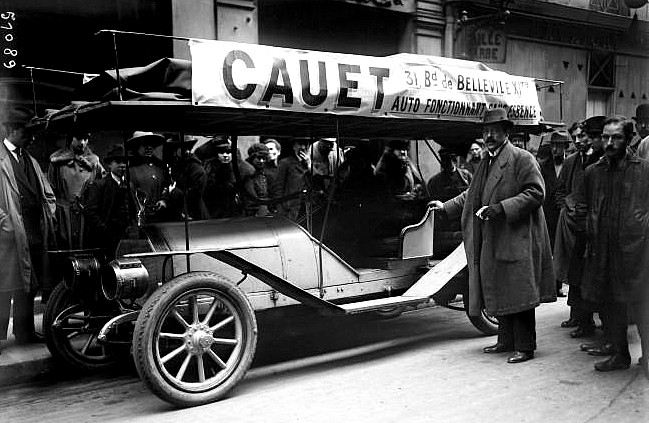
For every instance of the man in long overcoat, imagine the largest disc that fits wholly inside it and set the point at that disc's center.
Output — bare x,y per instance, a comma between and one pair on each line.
27,207
506,239
615,198
570,242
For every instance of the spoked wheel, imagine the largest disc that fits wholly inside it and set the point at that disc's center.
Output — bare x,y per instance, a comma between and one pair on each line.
71,330
485,323
195,339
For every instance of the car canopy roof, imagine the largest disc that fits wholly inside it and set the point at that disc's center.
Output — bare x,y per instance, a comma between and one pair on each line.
248,89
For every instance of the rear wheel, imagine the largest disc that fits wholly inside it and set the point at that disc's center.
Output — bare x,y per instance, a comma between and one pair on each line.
195,339
485,323
71,330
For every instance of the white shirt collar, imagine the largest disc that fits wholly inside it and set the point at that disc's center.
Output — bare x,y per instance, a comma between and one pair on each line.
115,178
495,153
11,147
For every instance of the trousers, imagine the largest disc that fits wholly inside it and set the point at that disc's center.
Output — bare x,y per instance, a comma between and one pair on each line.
518,330
23,312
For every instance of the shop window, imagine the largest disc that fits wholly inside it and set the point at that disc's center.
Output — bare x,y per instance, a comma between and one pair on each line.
617,7
601,69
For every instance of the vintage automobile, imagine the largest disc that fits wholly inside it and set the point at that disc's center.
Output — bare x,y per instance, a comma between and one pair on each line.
182,297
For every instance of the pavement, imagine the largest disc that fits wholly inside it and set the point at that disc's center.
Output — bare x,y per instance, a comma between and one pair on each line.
21,363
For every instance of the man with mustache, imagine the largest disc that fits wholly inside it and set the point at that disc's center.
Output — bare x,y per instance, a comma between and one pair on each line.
506,239
615,200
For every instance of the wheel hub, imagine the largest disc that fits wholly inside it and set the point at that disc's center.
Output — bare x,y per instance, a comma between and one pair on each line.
198,339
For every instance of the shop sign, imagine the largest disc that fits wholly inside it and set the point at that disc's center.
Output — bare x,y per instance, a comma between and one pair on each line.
407,6
229,74
490,45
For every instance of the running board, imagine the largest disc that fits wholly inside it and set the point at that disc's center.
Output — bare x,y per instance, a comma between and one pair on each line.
370,305
422,290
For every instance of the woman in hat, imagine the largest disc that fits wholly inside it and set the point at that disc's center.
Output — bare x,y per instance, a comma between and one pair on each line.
395,169
71,169
184,197
221,195
149,175
255,184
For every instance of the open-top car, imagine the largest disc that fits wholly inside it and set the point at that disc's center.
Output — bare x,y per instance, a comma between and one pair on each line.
182,296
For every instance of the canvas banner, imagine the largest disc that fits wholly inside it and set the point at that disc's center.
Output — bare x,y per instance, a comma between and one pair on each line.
229,74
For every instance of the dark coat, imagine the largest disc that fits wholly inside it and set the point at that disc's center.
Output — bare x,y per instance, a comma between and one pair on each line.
616,202
102,231
569,243
292,177
191,179
550,210
221,194
511,271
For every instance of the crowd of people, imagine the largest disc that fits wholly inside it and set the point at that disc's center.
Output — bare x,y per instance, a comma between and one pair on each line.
576,214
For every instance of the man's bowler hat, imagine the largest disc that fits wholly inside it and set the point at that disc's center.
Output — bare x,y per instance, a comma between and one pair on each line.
642,112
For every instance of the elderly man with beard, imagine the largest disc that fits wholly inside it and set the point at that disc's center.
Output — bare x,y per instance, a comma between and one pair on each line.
70,170
506,239
615,200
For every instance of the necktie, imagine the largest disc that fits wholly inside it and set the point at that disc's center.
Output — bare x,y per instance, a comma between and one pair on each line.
21,158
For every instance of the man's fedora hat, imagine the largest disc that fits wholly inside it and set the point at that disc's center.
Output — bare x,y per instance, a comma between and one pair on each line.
140,137
115,153
497,115
642,112
560,137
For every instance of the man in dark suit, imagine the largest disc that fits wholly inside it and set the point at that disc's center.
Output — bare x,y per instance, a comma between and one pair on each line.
551,157
110,205
506,239
27,207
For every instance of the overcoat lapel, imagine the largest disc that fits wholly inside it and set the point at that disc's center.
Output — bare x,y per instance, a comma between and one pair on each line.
496,173
7,168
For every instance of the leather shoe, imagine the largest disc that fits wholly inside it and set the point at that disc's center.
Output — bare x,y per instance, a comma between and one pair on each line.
582,332
520,356
496,348
570,323
587,346
614,362
605,349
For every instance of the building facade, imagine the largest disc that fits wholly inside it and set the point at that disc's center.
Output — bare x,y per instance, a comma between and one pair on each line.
598,48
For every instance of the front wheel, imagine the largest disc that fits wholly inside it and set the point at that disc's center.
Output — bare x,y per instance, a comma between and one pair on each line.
71,327
485,323
195,339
